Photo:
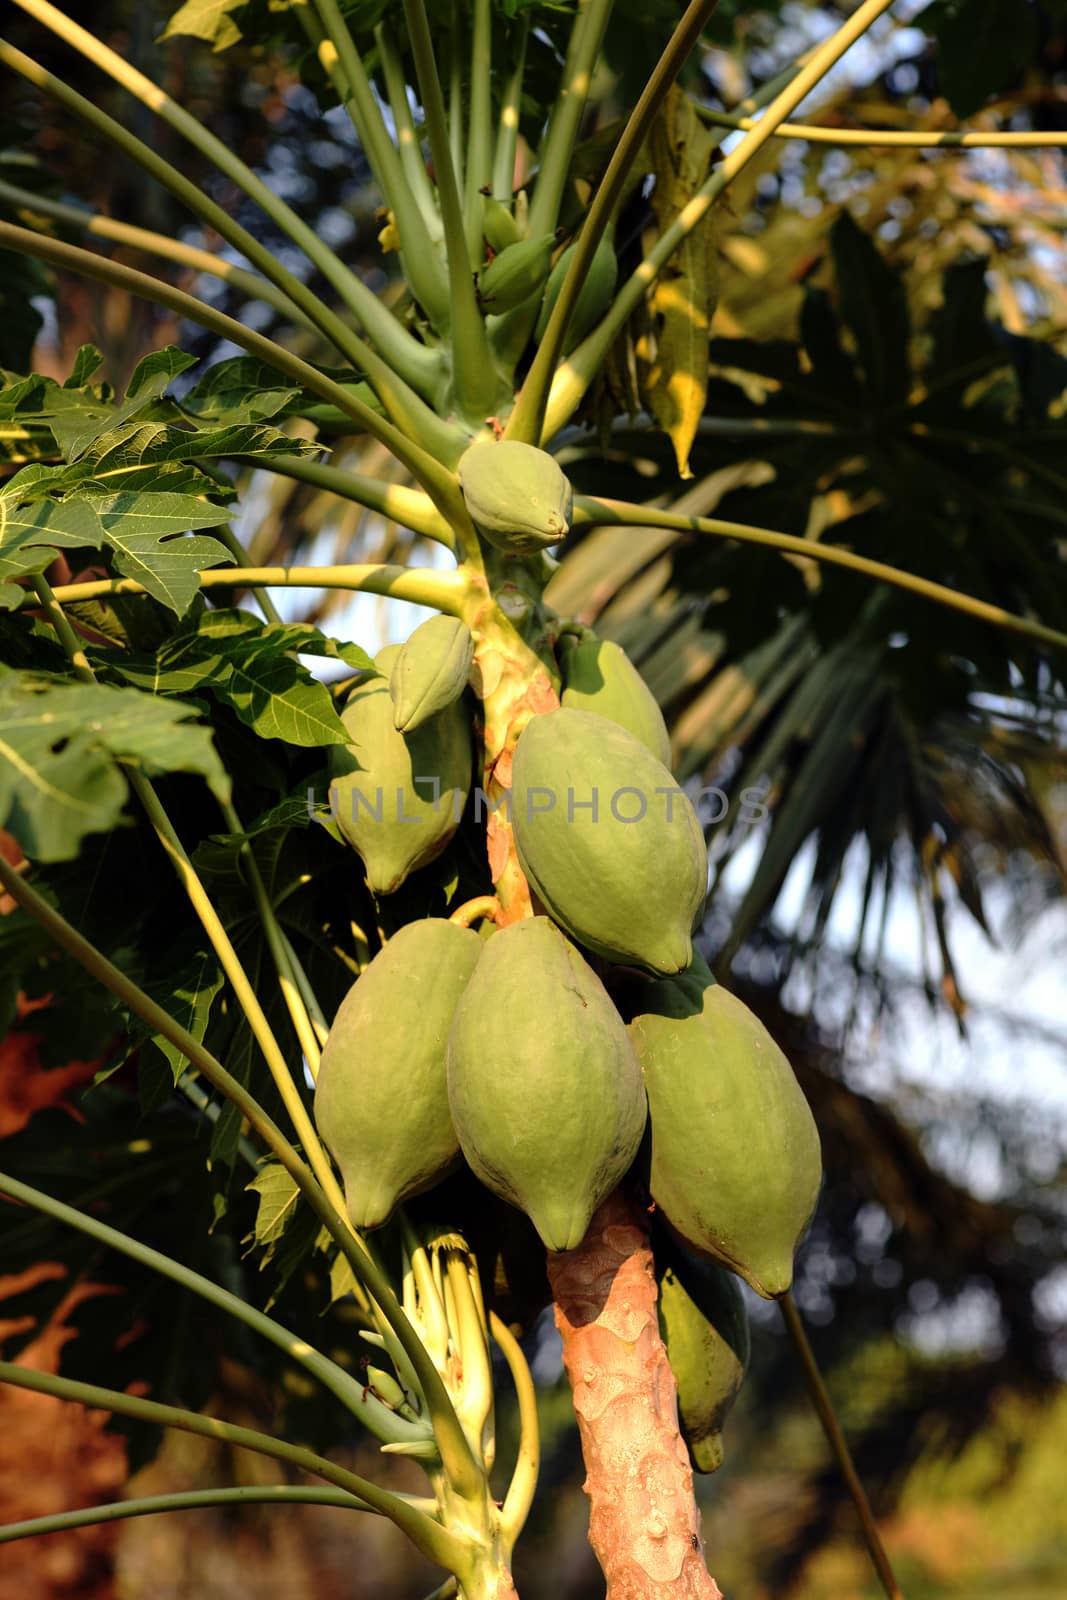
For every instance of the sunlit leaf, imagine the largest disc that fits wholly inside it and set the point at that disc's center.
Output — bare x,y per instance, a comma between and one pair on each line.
61,746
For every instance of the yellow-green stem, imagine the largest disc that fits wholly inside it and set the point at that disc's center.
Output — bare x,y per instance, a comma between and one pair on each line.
455,1452
439,483
474,374
423,268
520,1491
250,284
598,513
279,951
507,138
226,536
433,1540
182,1500
587,35
213,926
839,1445
574,376
527,419
894,139
444,591
407,135
349,1390
479,127
409,507
360,300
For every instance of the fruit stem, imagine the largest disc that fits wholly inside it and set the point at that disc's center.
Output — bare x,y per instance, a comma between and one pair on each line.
824,1408
481,908
644,1524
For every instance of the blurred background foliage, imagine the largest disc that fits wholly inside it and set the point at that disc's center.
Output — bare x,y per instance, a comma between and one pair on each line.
888,370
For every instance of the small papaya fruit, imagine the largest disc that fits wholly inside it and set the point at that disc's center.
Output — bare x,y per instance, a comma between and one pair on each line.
599,676
610,844
517,496
498,224
704,1327
516,274
381,1101
431,671
594,296
543,1083
735,1159
398,797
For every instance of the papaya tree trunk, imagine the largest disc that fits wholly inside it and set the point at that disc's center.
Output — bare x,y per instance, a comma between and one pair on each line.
644,1525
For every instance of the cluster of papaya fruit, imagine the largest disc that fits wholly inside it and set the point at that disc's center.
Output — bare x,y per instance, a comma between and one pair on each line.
559,1053
519,271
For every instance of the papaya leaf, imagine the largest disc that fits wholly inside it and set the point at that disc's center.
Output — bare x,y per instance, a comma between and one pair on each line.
158,455
683,298
252,667
77,427
87,361
244,390
211,20
241,390
872,303
31,537
982,46
278,1198
62,745
146,530
187,995
286,1231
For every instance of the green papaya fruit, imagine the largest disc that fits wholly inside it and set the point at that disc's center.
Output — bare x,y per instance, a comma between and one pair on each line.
381,1101
599,676
516,274
498,225
594,296
543,1083
398,797
735,1159
704,1327
610,844
517,495
431,671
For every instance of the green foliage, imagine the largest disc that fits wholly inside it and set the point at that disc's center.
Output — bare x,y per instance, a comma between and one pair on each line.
65,745
928,439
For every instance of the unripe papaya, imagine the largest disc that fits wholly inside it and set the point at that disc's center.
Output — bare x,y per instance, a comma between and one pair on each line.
543,1083
431,671
381,1101
735,1159
516,274
498,225
594,296
704,1327
599,676
398,797
608,841
517,495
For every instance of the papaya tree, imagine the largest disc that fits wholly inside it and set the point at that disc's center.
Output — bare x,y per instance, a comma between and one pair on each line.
402,948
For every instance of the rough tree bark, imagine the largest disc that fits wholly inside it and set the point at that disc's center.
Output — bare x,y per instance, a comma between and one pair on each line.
644,1525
